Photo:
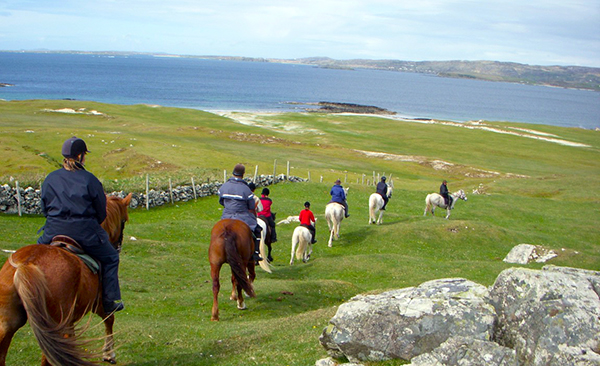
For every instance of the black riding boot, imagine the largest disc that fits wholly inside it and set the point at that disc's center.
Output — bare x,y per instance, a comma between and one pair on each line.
256,256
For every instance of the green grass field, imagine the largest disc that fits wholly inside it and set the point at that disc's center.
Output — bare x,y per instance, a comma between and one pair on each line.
534,191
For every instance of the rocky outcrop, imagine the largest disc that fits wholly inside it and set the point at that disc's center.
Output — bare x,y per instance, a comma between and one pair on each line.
525,253
527,318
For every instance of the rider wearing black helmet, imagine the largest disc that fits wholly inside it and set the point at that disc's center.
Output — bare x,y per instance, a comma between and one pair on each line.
382,190
74,203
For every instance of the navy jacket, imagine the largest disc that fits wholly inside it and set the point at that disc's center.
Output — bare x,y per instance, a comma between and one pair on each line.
238,201
338,194
382,189
74,204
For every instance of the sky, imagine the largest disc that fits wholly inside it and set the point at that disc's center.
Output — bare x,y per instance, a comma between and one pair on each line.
535,32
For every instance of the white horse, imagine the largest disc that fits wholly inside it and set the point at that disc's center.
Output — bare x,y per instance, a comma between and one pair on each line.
334,214
435,199
375,204
301,244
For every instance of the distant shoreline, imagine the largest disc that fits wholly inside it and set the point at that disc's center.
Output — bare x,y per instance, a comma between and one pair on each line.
569,77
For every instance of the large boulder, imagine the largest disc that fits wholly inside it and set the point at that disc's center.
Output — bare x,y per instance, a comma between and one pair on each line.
408,322
549,317
463,351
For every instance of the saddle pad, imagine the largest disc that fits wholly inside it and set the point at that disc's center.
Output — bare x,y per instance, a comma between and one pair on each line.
90,262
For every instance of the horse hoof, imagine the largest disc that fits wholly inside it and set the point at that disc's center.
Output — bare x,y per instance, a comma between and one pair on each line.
110,360
242,307
270,259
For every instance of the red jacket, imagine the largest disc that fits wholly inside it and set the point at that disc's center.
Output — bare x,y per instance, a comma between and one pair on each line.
266,203
306,217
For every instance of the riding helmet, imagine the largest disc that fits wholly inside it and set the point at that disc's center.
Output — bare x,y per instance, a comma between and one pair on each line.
383,178
306,204
73,147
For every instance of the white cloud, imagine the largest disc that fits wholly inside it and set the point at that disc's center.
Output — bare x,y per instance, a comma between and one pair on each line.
535,32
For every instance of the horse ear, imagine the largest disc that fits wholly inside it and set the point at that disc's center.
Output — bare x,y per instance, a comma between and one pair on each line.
127,200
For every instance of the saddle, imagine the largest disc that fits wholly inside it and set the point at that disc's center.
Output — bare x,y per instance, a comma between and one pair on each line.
71,245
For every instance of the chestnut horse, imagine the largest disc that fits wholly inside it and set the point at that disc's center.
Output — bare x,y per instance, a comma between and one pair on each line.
54,289
231,242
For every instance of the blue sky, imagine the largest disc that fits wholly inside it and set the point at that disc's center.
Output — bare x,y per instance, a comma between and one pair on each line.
537,32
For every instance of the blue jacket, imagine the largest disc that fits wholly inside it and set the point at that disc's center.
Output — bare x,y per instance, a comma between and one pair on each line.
74,204
338,194
382,188
238,201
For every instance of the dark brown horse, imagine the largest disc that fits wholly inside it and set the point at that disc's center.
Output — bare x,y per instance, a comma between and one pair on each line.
54,289
231,242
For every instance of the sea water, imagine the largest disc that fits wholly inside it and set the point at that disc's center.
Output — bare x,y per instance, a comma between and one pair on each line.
209,84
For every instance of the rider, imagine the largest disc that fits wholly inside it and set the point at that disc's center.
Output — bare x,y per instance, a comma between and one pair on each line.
266,212
74,203
258,207
238,202
382,189
307,219
338,194
444,192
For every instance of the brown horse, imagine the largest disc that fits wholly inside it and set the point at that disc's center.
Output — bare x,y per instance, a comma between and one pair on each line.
54,289
231,242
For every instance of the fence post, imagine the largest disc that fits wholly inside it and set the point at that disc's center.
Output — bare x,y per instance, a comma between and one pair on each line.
274,169
170,190
345,178
309,175
194,189
224,176
147,192
18,197
255,173
321,181
288,170
363,179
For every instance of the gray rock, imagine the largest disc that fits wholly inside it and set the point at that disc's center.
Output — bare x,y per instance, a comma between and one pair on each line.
549,317
408,322
463,351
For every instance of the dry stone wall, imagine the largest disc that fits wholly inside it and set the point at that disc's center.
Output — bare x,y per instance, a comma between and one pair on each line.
30,198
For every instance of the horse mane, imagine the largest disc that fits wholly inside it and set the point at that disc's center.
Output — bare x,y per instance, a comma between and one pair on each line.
116,213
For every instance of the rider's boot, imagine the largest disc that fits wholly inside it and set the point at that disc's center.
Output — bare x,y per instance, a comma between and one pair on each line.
256,255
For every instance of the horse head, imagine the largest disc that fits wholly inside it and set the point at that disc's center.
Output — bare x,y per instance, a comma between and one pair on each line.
461,194
116,217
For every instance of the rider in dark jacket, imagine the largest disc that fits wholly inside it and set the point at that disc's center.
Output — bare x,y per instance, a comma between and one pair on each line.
444,192
382,189
238,202
74,203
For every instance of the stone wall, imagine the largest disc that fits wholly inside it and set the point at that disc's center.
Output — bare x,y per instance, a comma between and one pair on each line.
30,197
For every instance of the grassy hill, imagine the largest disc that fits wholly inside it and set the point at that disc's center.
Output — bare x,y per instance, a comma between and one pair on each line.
537,187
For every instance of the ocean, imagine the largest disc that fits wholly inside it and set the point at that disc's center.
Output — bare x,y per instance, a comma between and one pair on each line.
215,85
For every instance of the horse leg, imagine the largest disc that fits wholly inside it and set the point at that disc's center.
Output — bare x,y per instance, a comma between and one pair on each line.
239,296
12,314
293,250
108,351
216,286
234,289
448,214
331,232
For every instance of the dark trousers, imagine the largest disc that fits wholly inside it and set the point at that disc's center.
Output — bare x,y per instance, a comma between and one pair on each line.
95,242
271,223
313,231
385,200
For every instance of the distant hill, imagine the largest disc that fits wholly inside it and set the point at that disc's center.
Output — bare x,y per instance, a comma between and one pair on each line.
559,76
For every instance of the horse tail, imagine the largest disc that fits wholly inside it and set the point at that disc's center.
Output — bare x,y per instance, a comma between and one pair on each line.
372,203
58,340
235,262
301,244
427,204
